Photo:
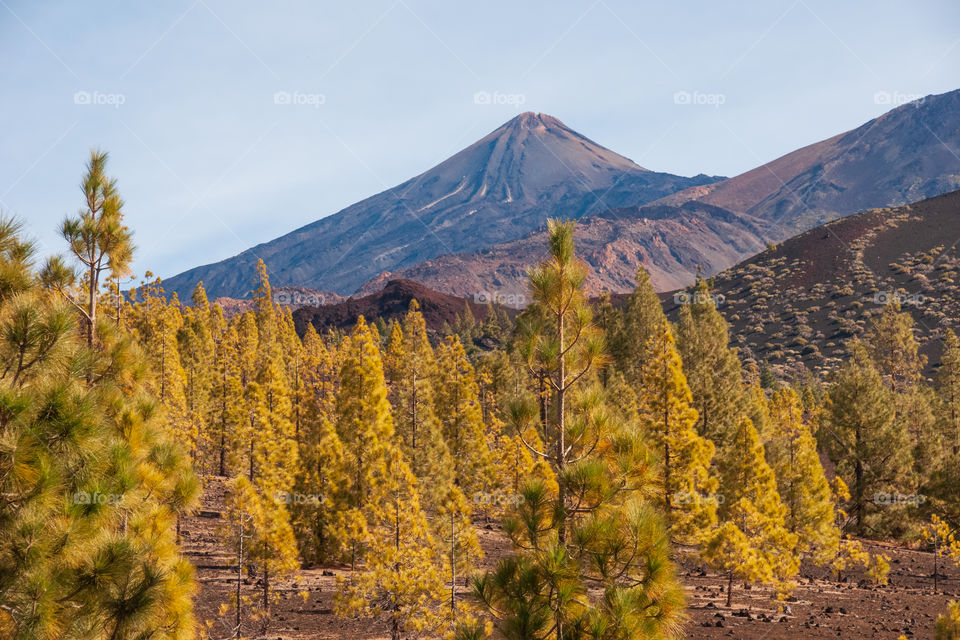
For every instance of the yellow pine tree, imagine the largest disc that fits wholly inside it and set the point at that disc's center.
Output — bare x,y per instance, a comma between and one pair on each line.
937,533
459,546
461,417
265,441
319,501
365,428
399,578
317,513
801,481
668,417
227,417
244,406
593,555
752,542
158,323
411,368
197,348
87,533
849,552
948,624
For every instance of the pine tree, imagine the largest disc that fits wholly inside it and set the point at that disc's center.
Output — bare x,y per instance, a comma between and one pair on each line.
458,408
631,335
411,368
667,415
752,542
944,477
400,578
227,414
948,387
948,624
895,351
870,446
264,444
711,365
847,552
801,481
317,515
365,427
938,534
592,553
197,348
91,480
98,240
157,324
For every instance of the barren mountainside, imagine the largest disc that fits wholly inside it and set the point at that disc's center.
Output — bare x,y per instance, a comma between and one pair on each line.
671,242
905,155
496,190
807,297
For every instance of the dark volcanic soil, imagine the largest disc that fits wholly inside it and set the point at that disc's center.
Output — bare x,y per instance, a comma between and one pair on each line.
819,608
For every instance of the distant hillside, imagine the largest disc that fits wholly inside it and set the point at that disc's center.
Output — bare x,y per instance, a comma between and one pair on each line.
905,155
293,297
496,190
392,302
672,242
803,299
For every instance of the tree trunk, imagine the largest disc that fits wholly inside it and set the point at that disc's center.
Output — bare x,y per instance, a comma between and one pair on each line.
858,488
453,567
266,595
91,304
666,447
561,434
239,620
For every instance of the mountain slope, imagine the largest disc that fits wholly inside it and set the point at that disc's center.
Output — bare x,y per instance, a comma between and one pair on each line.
803,299
671,242
907,154
496,190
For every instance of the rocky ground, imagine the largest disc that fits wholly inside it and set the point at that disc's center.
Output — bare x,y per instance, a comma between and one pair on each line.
820,607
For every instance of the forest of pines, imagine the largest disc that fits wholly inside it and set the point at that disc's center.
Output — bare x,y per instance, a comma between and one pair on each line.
607,442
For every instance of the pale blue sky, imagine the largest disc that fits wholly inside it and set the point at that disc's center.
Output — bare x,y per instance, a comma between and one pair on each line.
182,94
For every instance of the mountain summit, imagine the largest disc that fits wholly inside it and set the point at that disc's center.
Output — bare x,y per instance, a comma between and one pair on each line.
900,157
498,189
